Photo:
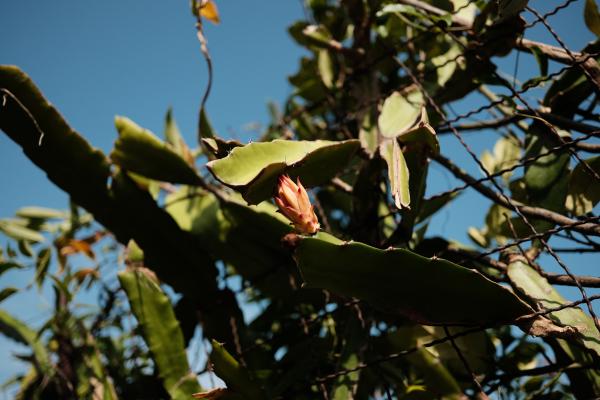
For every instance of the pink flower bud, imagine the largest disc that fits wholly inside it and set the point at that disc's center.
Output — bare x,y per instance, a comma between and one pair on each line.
293,202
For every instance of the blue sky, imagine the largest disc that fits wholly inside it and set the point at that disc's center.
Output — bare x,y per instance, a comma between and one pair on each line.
95,60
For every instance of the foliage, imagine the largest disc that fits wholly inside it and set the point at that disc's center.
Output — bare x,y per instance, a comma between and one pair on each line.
370,307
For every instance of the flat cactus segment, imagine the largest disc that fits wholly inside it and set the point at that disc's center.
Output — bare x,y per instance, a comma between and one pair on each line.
430,291
253,169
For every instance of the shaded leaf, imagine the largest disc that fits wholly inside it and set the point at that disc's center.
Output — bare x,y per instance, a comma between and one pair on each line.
543,173
540,293
8,265
20,332
592,16
368,134
206,129
139,151
7,292
583,195
254,168
175,139
41,265
422,134
433,291
542,61
235,375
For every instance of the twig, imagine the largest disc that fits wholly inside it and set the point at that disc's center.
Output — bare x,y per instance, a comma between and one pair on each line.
536,212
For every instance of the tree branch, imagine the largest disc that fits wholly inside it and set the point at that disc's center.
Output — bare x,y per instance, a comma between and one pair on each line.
535,212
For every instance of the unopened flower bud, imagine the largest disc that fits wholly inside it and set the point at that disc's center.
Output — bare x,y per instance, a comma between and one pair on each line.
293,202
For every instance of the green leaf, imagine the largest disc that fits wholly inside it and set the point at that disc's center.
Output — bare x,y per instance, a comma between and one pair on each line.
421,134
583,195
436,376
235,375
161,332
20,332
317,35
444,67
354,337
397,172
206,129
40,213
218,147
428,290
18,232
254,168
326,70
537,289
542,60
8,265
7,292
399,113
369,134
138,150
543,173
41,265
591,16
175,139
510,8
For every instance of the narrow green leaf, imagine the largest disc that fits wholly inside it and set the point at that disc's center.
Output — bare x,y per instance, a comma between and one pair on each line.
397,172
369,134
428,290
583,195
8,265
399,113
542,60
591,16
40,213
254,168
174,138
235,375
161,332
326,70
20,332
18,232
138,150
206,129
537,289
7,292
41,265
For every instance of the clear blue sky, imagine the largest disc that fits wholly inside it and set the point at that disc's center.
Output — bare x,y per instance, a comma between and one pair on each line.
98,59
